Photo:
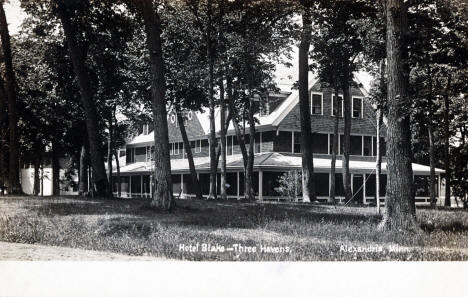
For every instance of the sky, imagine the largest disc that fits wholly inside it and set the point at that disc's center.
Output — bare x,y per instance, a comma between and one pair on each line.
288,76
14,15
284,75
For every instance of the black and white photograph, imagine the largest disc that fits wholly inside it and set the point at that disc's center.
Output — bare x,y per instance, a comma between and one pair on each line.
233,131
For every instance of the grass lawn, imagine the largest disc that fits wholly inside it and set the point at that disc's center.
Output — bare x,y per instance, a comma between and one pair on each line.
276,231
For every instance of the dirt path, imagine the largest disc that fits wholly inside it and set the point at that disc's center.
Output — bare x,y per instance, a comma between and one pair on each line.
35,252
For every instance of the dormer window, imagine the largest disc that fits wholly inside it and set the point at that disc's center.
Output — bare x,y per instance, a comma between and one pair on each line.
357,107
337,105
317,104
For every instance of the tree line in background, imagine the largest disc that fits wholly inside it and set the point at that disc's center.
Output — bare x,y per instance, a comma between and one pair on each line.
80,74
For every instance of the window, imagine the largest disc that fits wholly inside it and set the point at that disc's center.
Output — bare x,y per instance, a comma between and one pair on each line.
151,152
357,107
320,143
174,149
297,142
140,154
282,142
173,119
196,145
129,157
341,144
337,106
367,145
229,145
339,148
258,142
383,146
317,100
356,145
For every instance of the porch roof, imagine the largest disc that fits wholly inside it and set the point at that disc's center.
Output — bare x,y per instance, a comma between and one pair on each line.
275,162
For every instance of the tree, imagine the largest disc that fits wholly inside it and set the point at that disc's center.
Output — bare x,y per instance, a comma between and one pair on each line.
185,57
203,11
163,196
258,36
400,204
308,181
10,85
67,12
437,55
3,139
338,43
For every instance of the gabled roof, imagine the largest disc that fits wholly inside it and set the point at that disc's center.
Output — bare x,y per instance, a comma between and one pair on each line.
143,139
284,109
268,121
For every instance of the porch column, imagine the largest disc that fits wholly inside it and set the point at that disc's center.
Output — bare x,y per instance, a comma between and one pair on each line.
141,186
439,185
364,189
292,141
238,185
151,185
182,184
129,186
260,185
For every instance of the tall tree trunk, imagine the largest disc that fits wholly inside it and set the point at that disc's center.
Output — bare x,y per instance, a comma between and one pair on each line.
83,180
308,183
91,189
87,100
117,164
3,138
110,149
249,191
218,148
379,117
400,208
239,135
331,198
430,133
42,179
233,111
378,161
163,196
448,170
55,170
346,137
37,167
14,183
212,138
223,140
188,151
432,165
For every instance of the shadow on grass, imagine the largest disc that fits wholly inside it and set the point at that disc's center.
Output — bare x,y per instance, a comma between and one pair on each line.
255,215
454,227
66,208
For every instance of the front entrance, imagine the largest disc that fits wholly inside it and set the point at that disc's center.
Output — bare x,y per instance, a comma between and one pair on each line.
358,189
